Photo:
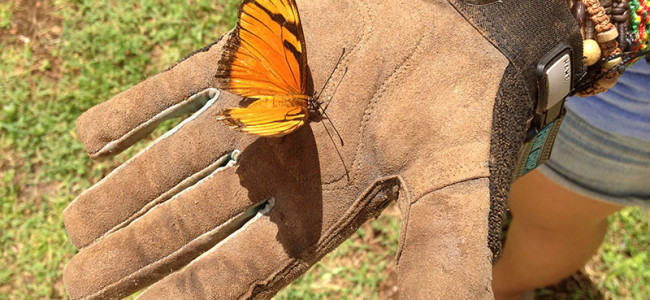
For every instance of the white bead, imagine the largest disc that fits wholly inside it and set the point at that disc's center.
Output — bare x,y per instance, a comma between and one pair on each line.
591,52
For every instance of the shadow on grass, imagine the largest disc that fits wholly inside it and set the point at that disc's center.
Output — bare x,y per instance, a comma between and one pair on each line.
578,286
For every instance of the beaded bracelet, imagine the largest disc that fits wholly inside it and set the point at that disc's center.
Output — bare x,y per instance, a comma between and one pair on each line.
639,24
615,34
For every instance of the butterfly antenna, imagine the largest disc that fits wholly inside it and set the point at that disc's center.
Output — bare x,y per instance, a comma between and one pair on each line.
330,120
324,109
347,173
336,88
331,74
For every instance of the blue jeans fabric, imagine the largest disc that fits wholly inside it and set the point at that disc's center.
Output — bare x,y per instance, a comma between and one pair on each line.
599,164
624,109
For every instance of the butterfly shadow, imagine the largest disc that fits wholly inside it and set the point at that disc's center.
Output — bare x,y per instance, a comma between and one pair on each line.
287,169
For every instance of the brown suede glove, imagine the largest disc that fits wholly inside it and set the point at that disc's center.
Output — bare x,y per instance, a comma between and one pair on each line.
206,212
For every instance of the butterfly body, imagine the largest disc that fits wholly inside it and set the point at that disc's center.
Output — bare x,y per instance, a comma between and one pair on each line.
265,60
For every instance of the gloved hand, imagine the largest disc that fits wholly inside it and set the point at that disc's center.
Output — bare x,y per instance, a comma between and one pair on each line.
209,212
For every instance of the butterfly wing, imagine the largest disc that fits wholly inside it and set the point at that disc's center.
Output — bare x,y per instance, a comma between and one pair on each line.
265,59
269,116
265,55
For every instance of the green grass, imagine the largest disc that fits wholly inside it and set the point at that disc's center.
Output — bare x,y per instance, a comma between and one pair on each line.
80,53
625,256
5,14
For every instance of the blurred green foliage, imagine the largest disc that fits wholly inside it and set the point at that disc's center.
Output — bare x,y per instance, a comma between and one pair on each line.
48,79
5,14
79,53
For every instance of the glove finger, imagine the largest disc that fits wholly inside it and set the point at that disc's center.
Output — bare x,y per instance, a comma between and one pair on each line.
272,250
173,162
171,234
298,230
114,125
162,240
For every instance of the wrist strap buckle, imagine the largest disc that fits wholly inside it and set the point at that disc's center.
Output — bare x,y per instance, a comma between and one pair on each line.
554,85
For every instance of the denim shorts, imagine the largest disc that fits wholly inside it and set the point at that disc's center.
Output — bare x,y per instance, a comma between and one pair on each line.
599,164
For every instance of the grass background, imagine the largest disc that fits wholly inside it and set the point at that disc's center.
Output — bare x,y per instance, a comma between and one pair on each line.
59,58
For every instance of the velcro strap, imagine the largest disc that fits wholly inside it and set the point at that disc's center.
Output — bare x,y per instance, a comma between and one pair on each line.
537,150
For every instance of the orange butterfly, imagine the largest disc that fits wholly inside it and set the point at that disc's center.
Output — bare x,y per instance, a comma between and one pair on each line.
265,59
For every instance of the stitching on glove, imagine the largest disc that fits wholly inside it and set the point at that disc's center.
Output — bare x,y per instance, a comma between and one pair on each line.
397,73
167,134
437,188
188,184
407,212
383,191
366,21
224,162
173,111
215,95
366,29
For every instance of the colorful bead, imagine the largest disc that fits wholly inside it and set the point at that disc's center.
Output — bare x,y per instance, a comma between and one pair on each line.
605,43
639,25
